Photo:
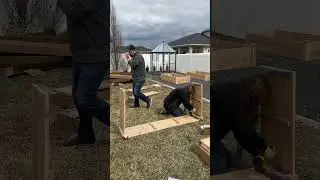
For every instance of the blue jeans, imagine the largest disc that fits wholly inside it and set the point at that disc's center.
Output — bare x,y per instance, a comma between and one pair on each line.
86,81
136,89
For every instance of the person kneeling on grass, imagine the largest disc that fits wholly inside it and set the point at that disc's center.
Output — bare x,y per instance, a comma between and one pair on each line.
177,97
234,107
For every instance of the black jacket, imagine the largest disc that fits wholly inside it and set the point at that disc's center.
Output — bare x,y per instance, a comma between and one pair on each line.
231,101
176,97
88,29
138,69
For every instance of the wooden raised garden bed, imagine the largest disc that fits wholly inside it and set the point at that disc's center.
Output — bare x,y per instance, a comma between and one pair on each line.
175,78
200,75
288,44
128,132
278,123
229,55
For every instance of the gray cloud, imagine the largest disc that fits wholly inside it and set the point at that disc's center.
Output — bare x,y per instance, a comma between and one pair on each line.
147,23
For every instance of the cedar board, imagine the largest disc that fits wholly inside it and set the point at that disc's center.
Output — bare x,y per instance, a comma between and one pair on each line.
285,46
175,78
40,135
278,125
203,150
120,76
34,48
150,93
204,76
230,55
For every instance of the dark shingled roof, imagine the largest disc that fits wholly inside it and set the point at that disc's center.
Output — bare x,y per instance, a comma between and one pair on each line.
196,38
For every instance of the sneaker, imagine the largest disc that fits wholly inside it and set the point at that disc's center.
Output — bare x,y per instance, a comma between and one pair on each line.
149,104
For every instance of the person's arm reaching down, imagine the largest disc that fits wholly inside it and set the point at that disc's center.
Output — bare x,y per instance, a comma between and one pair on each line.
185,101
76,9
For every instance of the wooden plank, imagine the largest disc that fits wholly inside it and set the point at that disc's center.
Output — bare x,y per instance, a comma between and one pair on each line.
278,125
122,121
120,76
200,75
197,100
146,87
280,47
23,60
158,125
240,57
175,78
35,72
205,143
34,48
40,138
204,154
150,93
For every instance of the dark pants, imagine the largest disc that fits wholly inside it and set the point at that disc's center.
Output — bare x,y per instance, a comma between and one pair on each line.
176,112
244,132
86,81
136,90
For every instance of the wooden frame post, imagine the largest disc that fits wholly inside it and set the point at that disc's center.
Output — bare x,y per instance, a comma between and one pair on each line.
40,136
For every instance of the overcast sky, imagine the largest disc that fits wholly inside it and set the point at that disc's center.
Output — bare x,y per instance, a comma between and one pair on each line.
149,22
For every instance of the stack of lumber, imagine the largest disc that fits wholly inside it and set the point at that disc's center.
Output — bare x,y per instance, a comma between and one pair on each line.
120,77
18,55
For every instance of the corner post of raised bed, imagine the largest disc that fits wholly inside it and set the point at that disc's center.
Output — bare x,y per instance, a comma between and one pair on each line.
122,112
307,48
40,133
197,101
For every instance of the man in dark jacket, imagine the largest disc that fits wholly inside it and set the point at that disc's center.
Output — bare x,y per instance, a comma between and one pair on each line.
177,97
234,107
138,72
89,38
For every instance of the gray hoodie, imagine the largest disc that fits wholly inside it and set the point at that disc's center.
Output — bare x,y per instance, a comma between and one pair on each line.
138,69
88,29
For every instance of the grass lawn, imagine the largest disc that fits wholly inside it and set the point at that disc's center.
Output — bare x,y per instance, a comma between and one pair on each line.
156,155
152,156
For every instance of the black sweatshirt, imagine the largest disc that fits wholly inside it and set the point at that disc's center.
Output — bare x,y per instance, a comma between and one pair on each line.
88,29
231,101
176,97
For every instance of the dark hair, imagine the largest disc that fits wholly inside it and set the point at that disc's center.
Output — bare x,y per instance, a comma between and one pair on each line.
131,47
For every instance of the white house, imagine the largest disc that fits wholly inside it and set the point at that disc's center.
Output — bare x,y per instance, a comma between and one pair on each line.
194,43
237,18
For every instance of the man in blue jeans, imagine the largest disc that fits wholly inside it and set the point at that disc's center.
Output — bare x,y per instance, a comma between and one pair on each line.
138,72
88,27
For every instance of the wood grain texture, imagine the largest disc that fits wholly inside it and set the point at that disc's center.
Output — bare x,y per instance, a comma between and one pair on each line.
40,137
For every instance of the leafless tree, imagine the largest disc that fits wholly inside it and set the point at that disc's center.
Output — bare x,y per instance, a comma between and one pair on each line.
116,64
32,16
